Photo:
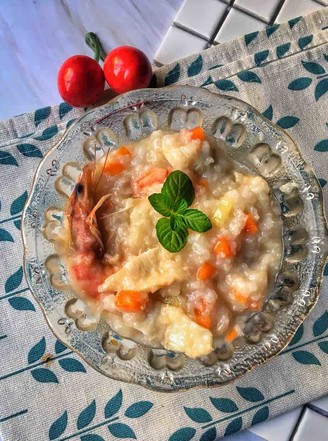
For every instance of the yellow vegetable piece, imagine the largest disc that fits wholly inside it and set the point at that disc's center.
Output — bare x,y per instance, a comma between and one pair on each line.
223,212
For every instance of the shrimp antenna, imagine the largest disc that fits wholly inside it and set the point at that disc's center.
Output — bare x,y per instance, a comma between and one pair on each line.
102,171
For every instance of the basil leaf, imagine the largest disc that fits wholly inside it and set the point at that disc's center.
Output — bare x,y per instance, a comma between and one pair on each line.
196,220
178,186
161,203
181,206
171,240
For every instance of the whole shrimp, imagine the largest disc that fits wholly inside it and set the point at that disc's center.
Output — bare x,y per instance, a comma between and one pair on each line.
89,267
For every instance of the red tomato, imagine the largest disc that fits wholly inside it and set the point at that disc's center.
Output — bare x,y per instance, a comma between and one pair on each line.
127,68
80,81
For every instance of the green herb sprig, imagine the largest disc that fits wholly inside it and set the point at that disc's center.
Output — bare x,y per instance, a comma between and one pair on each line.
172,202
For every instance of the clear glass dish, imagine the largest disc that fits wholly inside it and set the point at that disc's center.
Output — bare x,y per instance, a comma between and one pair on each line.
250,139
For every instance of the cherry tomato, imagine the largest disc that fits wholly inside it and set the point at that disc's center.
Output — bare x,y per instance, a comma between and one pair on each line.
80,81
127,68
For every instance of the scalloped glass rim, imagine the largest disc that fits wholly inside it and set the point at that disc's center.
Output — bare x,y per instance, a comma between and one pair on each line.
259,132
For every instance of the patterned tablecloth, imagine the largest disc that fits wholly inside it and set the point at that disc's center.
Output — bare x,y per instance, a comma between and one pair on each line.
48,392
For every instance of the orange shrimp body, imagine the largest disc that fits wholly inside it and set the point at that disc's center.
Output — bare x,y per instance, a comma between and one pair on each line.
89,269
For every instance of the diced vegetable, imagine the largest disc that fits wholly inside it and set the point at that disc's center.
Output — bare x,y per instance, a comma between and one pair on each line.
203,182
204,321
247,301
243,300
223,247
231,335
131,301
114,168
116,164
223,212
206,271
255,305
202,316
172,300
250,226
153,176
123,151
197,133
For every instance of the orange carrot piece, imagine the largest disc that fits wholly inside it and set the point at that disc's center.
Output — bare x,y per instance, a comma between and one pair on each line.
114,168
153,176
250,225
248,302
231,335
203,182
206,271
223,247
240,298
204,321
197,133
131,301
202,317
254,305
123,151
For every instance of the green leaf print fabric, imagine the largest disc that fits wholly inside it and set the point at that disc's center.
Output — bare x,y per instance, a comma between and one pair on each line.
48,392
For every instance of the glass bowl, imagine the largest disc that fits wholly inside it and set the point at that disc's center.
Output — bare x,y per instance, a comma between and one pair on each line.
250,139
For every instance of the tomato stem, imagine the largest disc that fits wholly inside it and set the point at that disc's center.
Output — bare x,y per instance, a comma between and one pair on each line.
93,41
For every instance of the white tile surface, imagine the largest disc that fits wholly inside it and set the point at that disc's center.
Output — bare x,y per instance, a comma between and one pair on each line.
177,44
201,16
279,428
313,427
236,24
294,8
262,8
245,435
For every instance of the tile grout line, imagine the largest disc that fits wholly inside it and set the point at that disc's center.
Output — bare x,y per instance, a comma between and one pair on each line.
277,11
321,2
317,409
250,14
221,21
298,422
190,31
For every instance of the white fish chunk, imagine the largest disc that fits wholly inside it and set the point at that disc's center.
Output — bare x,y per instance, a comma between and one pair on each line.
184,335
148,272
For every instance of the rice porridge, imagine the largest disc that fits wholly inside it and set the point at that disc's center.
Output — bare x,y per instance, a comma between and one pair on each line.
180,269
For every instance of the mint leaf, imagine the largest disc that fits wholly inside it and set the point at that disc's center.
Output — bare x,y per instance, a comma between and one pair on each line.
172,240
180,207
176,196
176,222
178,186
161,203
196,220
